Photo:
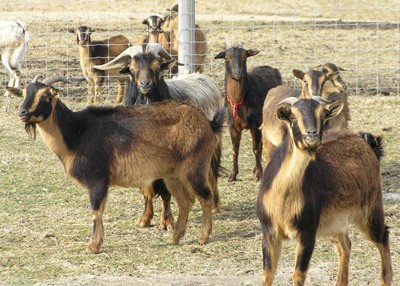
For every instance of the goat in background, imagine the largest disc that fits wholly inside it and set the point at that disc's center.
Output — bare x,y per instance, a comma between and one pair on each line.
97,53
245,95
14,39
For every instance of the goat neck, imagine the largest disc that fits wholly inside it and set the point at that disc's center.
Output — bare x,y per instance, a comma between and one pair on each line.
52,133
85,54
235,92
153,36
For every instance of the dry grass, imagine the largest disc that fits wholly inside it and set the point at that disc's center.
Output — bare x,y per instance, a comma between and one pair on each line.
45,220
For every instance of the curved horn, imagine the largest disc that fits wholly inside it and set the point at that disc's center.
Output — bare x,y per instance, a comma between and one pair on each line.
122,59
53,79
157,49
290,100
320,99
36,78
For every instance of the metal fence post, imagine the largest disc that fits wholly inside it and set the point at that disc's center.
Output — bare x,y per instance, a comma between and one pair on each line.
186,36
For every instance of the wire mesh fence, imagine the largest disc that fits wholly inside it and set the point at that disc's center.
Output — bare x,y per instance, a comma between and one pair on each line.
362,37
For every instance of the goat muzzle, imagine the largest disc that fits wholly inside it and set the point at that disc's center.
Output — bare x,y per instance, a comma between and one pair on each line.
23,115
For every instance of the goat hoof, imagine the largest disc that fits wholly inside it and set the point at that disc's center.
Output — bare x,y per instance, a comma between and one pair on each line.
232,177
203,239
166,226
142,223
172,240
92,249
216,209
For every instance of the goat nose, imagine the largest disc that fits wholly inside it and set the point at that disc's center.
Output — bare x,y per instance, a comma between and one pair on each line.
22,113
312,134
145,83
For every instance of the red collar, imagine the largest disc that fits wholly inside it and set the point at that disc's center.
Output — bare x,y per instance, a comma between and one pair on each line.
235,106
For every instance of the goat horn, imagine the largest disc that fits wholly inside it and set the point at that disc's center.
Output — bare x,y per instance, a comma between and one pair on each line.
320,99
53,79
36,78
157,49
290,100
240,44
121,60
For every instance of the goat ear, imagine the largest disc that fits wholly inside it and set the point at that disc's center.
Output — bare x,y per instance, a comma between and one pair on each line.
166,65
252,52
298,74
332,76
14,91
221,55
91,30
334,109
72,30
145,22
125,70
283,113
54,92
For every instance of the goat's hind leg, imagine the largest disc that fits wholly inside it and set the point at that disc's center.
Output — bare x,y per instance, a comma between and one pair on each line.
343,246
166,218
148,212
375,229
98,199
185,201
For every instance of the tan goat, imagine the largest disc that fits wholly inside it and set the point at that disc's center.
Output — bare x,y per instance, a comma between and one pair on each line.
97,53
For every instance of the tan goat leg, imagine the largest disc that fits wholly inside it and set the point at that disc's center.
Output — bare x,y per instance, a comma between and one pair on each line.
271,248
304,249
343,246
121,88
98,230
207,221
185,201
148,212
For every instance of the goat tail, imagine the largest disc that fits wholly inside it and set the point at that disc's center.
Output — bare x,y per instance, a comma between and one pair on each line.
218,121
375,142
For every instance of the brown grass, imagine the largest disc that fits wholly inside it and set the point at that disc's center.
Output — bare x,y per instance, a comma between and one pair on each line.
45,220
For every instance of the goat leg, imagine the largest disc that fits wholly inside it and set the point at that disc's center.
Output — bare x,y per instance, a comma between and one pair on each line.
236,136
304,249
98,201
148,212
257,151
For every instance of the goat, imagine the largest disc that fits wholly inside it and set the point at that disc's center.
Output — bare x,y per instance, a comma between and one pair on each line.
157,35
14,39
245,95
323,81
96,53
101,147
316,184
146,85
169,26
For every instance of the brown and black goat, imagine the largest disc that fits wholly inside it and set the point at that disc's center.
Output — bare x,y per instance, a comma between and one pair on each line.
146,85
245,95
323,81
125,146
97,53
316,184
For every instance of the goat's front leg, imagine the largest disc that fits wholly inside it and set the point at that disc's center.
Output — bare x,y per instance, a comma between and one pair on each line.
121,88
304,249
257,151
91,91
98,199
236,135
148,212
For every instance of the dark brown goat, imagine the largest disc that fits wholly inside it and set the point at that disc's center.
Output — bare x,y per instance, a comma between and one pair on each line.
316,184
323,81
106,146
97,53
245,95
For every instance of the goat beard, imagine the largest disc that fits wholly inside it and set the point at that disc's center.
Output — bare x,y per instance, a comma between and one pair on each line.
30,128
312,152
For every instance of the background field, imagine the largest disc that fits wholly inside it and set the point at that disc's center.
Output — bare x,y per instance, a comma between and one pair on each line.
45,220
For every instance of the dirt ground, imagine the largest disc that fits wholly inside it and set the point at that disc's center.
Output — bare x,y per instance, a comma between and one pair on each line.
45,220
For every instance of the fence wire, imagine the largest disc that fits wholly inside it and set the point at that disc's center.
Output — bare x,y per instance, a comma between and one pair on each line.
362,37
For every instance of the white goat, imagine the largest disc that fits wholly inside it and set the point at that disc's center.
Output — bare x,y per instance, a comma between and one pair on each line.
13,42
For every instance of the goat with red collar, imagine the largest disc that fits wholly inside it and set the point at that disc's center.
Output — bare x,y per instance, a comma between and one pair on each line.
245,95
